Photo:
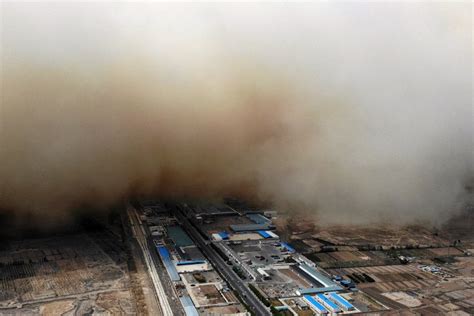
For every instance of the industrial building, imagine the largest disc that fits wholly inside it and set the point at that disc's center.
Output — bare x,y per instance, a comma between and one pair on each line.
315,290
316,275
260,223
192,266
315,305
267,234
220,236
166,259
333,307
259,218
188,306
288,247
341,301
251,227
179,236
206,210
332,302
189,253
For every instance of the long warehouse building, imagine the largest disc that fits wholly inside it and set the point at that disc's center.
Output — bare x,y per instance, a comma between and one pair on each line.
166,259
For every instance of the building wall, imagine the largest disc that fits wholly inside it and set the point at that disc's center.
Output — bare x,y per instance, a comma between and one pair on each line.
192,268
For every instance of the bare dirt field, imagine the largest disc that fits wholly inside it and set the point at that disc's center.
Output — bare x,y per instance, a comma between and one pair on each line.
67,274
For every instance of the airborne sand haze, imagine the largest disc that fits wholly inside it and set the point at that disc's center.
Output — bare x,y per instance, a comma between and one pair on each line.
355,112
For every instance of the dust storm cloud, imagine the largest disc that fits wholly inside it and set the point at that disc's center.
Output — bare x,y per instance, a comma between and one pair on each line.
355,112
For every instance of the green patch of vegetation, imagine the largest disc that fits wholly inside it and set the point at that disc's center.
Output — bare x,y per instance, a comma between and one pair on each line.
243,303
259,295
239,272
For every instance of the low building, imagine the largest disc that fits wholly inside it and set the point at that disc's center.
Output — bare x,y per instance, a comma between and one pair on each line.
339,300
251,227
317,290
216,237
316,275
315,305
192,266
330,305
188,306
263,273
259,219
167,262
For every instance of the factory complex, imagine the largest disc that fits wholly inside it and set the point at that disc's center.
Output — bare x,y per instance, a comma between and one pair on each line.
200,289
228,258
246,240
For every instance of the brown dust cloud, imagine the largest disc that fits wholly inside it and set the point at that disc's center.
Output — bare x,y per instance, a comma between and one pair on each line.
352,112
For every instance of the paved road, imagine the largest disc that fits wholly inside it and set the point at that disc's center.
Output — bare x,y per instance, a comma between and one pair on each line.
250,274
230,276
140,235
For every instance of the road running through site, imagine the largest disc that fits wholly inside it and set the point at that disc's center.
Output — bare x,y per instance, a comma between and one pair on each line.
230,276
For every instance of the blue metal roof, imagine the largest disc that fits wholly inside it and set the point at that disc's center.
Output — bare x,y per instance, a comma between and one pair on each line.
264,234
329,303
164,253
188,306
288,247
224,235
170,268
320,308
341,301
184,263
337,277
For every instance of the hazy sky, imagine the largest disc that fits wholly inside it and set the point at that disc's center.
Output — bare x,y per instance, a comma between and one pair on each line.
353,111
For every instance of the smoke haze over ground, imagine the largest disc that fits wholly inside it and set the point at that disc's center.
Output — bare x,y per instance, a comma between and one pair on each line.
356,112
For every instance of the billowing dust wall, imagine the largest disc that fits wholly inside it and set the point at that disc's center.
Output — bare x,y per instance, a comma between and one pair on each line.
353,112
